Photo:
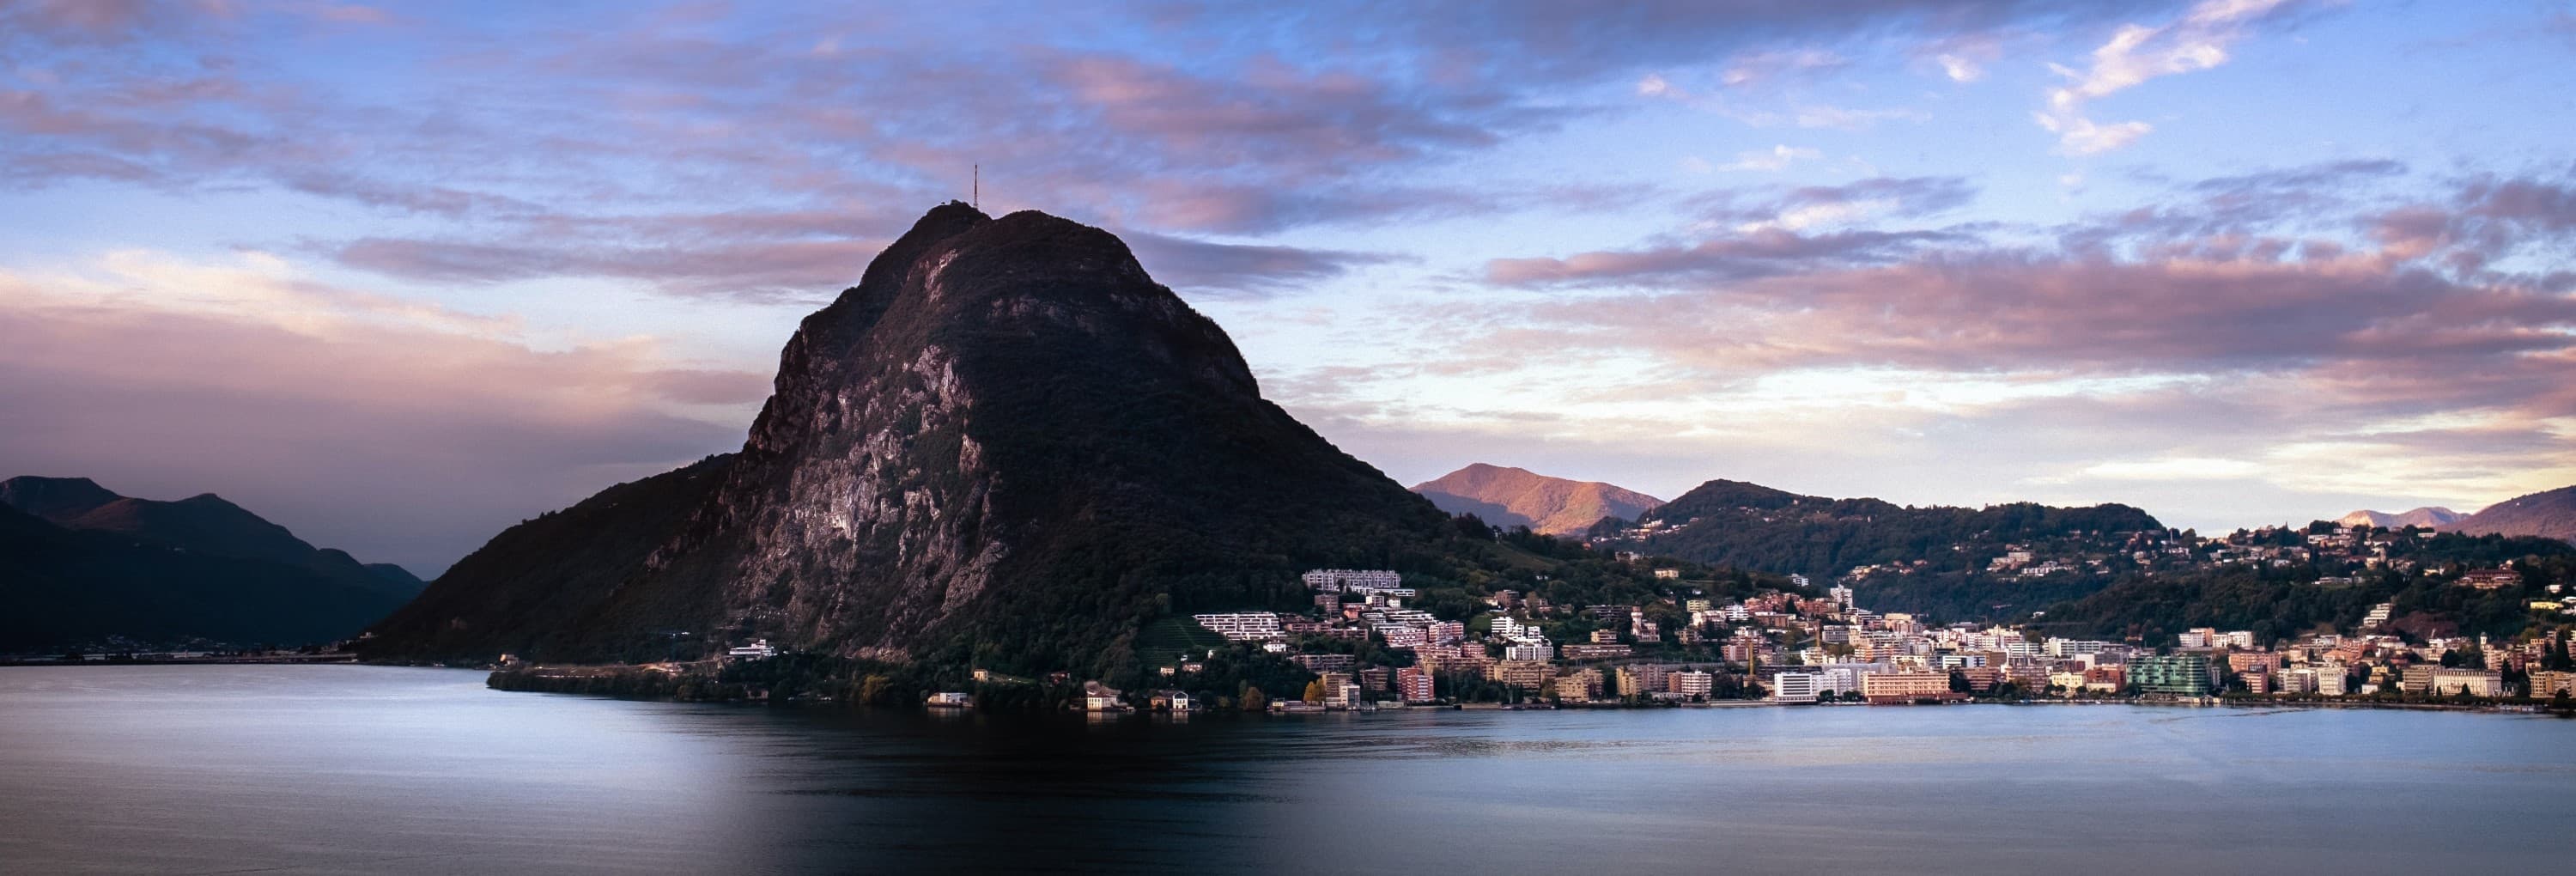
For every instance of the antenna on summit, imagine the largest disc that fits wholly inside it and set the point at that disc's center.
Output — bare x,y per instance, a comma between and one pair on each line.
976,194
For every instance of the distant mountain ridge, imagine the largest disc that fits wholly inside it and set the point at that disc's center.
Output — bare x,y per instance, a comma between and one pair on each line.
1942,552
80,563
2549,514
2429,517
201,524
1508,497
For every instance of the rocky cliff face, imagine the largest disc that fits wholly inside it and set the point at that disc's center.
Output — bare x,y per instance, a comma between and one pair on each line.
1007,444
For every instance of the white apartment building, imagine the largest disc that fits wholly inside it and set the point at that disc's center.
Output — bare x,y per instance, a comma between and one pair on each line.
1795,687
1243,626
1354,580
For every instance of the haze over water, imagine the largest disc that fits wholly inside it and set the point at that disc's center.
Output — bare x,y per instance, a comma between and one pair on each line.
207,769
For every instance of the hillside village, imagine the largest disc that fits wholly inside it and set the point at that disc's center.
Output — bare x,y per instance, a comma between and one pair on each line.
1366,648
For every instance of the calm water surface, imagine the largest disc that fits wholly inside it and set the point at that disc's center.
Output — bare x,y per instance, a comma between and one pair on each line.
330,769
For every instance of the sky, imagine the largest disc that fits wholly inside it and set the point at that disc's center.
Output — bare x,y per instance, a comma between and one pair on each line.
398,276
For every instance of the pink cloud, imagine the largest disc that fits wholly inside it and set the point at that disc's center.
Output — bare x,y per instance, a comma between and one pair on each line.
361,423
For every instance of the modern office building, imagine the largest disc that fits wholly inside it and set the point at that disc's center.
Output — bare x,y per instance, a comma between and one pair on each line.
2178,674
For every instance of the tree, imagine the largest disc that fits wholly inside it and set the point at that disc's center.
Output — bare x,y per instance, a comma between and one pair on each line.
1253,700
1315,692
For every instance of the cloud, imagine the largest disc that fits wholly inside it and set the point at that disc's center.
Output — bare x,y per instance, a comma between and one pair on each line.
1766,232
1950,309
2175,468
2135,54
758,271
1873,198
2297,332
1961,68
1199,266
401,432
1763,67
1778,158
1760,253
1233,123
1822,116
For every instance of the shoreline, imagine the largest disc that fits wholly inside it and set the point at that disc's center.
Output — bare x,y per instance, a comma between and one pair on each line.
581,680
261,659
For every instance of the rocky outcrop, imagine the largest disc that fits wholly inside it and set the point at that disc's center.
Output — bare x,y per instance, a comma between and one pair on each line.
1006,445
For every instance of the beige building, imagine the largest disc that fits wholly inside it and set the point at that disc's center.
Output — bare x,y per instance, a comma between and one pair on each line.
1584,685
1904,684
2476,682
1527,675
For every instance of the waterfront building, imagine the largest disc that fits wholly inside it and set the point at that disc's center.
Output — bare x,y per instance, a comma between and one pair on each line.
1414,685
1639,679
1799,687
2331,681
1524,674
2253,662
1374,678
2176,674
2474,682
1583,685
1097,697
1905,686
2417,678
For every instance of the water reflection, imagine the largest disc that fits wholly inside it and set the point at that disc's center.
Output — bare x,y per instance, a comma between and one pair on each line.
356,769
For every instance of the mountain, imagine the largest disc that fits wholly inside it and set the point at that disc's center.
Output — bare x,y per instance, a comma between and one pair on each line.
2550,514
1007,446
55,498
2424,517
1934,560
1518,497
80,564
203,524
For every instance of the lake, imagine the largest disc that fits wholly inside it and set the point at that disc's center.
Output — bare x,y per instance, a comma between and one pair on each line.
336,769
